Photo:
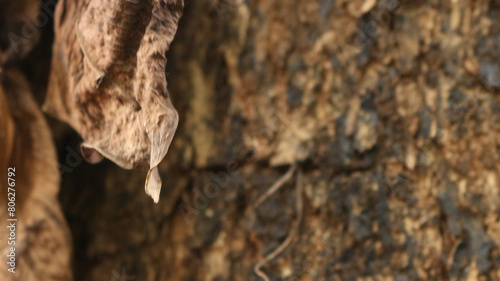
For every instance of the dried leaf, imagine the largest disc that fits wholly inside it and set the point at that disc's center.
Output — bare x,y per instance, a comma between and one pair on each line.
40,228
108,78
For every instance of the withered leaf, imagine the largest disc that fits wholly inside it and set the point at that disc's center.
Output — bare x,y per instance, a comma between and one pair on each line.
108,79
28,152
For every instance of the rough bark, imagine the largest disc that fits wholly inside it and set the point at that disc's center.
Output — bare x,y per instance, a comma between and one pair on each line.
390,110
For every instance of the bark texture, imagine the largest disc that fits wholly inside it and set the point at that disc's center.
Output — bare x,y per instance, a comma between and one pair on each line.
390,111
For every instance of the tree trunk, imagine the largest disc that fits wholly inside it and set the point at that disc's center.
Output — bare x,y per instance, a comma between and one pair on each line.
377,120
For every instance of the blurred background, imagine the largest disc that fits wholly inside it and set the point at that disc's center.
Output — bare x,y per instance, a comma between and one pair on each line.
383,116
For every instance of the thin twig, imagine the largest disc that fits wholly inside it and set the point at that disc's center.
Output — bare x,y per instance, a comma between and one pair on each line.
276,186
291,235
